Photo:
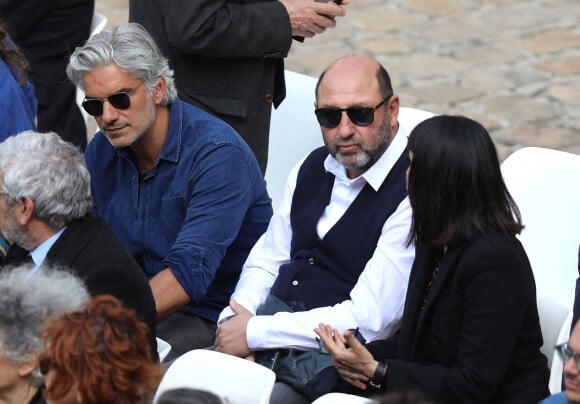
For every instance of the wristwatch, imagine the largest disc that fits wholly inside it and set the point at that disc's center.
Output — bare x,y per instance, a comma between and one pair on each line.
378,378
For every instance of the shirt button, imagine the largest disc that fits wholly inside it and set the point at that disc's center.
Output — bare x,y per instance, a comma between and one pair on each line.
294,283
311,261
269,98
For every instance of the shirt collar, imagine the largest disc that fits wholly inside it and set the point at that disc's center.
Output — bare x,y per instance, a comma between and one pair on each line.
38,255
376,174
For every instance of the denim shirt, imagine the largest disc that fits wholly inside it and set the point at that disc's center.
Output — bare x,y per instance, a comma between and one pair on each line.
198,211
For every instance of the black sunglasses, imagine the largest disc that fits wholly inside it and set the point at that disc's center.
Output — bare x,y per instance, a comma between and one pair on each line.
361,116
120,100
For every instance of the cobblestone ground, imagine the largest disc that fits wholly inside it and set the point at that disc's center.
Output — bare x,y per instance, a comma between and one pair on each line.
514,65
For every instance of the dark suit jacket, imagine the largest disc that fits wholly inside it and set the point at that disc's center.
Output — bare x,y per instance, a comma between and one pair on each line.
48,31
479,338
227,56
92,251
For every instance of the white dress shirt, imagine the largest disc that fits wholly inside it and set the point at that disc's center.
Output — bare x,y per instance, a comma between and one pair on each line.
39,253
376,300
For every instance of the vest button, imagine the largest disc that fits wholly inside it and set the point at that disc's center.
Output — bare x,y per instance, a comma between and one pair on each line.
294,283
269,98
311,261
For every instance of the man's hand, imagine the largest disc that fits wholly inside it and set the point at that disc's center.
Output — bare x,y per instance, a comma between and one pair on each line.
231,334
353,362
308,18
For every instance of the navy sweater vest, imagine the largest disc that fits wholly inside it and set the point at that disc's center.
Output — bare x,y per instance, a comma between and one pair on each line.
322,272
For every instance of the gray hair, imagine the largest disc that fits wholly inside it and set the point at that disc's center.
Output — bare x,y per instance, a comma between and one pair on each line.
28,301
132,49
50,171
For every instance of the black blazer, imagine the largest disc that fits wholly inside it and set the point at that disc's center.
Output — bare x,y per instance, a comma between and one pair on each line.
92,251
228,57
478,339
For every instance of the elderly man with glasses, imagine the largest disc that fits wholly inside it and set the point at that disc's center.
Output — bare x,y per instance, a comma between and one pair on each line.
336,249
179,187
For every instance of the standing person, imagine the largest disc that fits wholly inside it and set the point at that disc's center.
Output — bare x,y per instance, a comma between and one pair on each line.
47,32
470,331
180,188
27,303
228,55
336,250
17,100
45,203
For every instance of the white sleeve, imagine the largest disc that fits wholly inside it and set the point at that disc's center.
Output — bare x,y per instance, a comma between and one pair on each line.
270,252
376,301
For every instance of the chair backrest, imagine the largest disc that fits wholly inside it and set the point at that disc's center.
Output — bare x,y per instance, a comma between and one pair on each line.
294,131
341,398
555,324
234,379
553,316
545,184
98,23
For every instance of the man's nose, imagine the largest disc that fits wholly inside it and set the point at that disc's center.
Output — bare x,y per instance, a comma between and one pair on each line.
110,113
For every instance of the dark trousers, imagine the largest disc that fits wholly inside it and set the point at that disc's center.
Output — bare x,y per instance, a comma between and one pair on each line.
186,332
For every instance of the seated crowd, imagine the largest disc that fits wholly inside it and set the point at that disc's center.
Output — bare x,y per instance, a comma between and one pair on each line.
390,268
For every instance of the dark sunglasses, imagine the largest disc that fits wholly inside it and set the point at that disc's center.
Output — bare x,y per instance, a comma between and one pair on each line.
120,100
361,116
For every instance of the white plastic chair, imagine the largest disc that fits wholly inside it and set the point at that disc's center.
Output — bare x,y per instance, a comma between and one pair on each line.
234,379
98,23
555,324
545,184
163,348
294,131
341,398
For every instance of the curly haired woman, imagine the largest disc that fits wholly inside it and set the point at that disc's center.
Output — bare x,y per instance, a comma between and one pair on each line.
99,354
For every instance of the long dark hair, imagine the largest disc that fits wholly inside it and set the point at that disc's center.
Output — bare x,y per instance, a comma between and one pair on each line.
455,184
12,56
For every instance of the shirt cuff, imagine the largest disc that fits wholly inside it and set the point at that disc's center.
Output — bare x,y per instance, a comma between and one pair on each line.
226,314
256,331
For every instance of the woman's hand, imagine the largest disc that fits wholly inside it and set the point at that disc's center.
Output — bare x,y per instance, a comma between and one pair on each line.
353,362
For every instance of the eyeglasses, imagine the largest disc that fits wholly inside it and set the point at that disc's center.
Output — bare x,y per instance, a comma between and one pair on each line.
120,100
361,116
566,354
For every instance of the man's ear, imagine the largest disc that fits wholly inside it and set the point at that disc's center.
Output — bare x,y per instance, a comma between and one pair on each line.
26,368
24,210
159,90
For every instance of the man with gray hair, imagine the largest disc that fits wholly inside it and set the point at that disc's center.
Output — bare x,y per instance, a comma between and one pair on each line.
27,303
45,203
180,188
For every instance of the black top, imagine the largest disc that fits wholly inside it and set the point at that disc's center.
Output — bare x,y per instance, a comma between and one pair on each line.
478,337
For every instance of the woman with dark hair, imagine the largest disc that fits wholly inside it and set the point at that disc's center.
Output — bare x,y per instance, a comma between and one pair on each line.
99,354
17,100
470,331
